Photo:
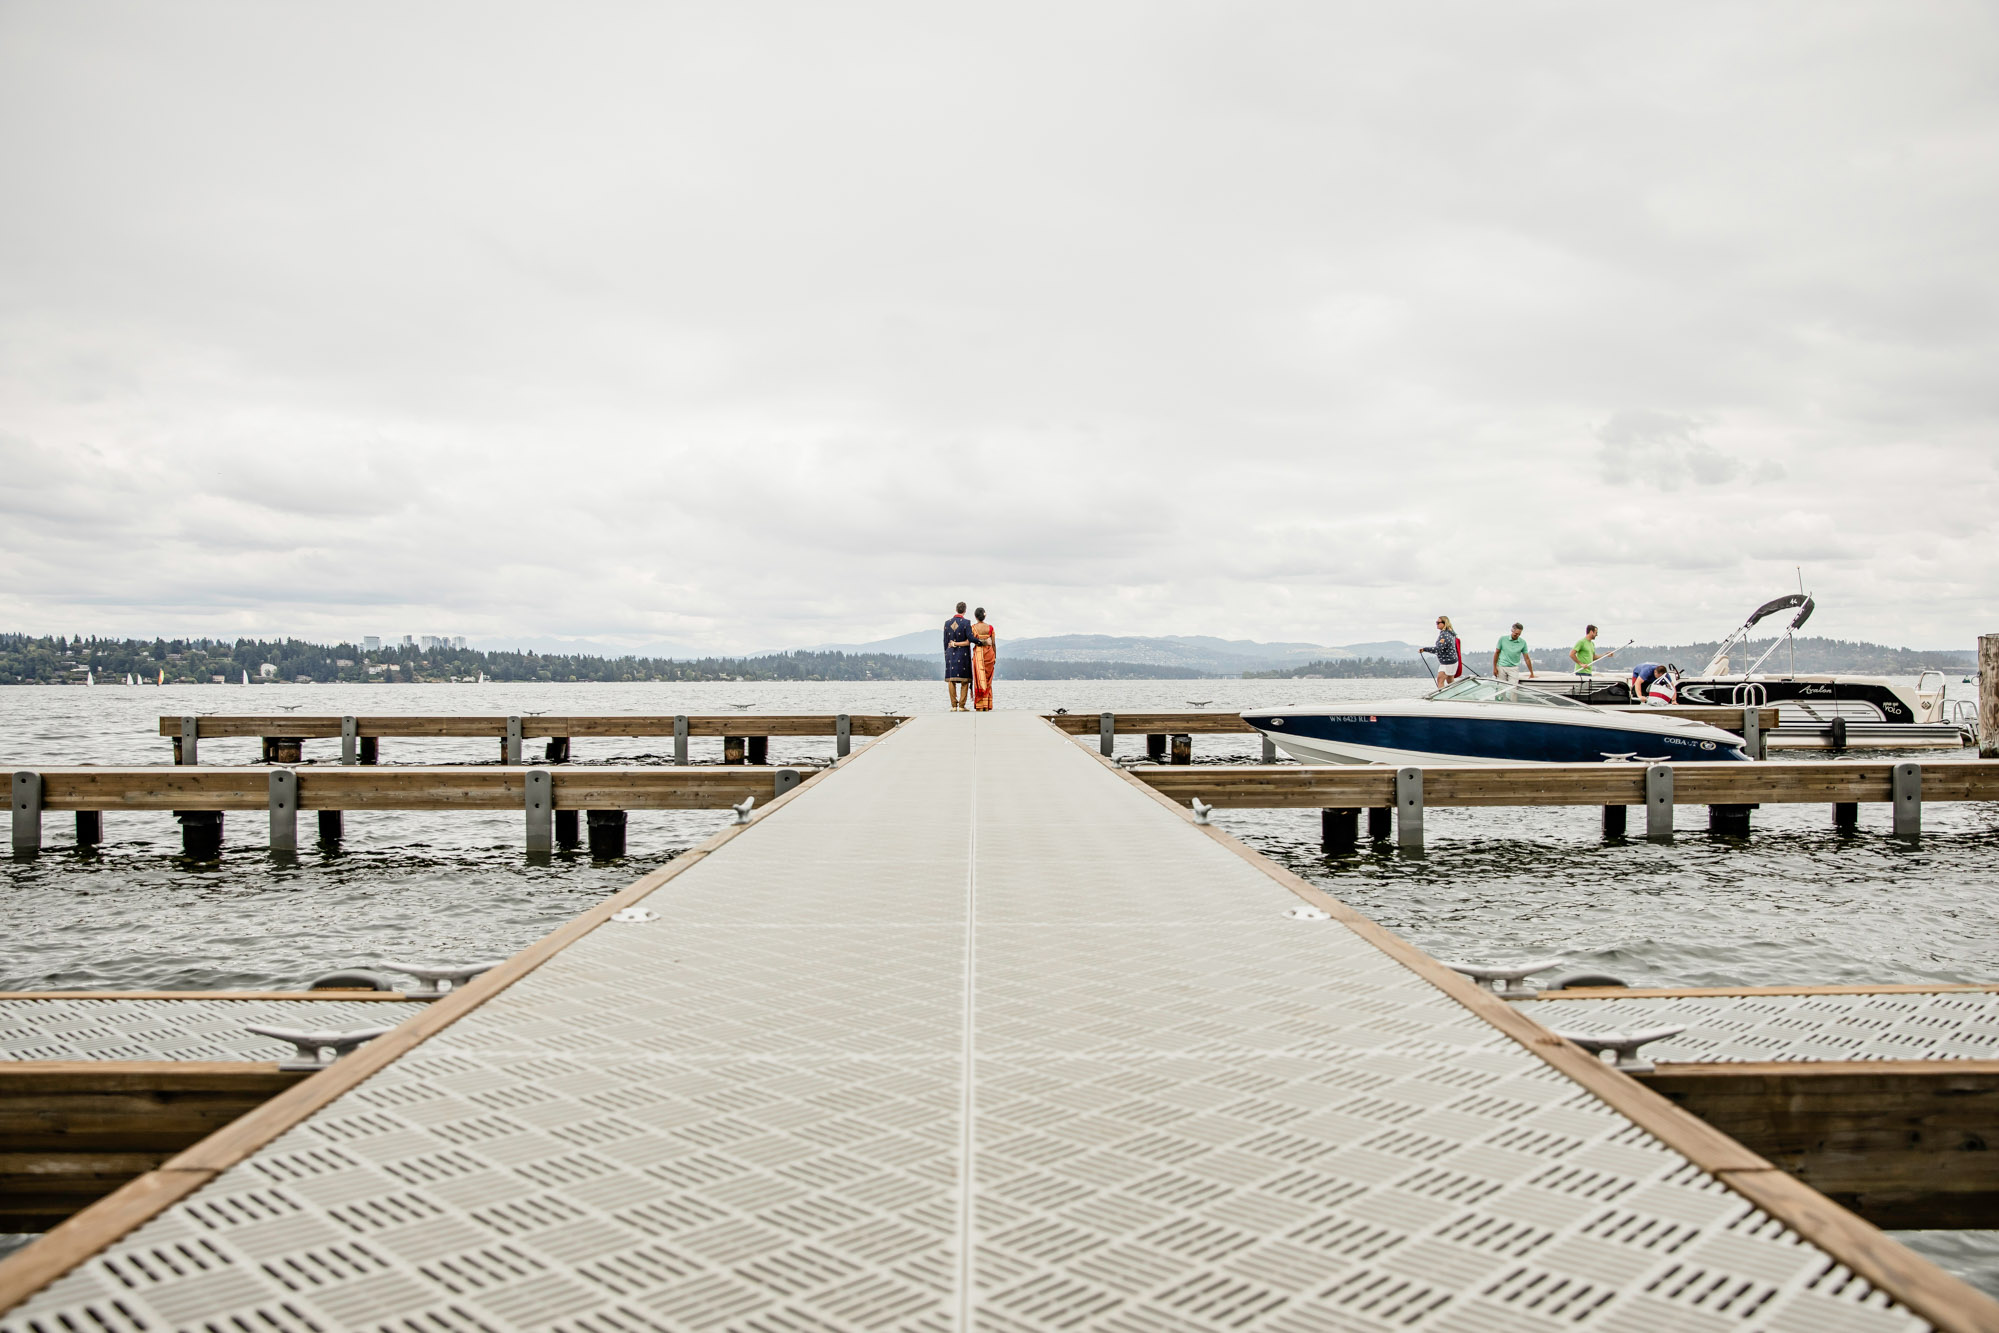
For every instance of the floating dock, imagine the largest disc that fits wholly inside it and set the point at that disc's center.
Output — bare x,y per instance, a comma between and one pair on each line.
973,1031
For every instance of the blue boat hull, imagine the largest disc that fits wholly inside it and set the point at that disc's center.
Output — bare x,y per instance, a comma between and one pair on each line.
1361,737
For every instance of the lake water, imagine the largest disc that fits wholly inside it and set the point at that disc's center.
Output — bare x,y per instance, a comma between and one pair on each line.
1794,903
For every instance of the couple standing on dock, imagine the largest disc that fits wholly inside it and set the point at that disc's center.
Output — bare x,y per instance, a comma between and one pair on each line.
970,647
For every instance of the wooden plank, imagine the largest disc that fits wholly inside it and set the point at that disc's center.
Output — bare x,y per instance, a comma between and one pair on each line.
1905,1276
344,996
1698,992
536,725
439,787
28,1270
1902,1143
1300,786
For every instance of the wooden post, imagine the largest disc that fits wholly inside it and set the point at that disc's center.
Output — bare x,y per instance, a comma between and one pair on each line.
1155,746
732,749
1730,821
566,836
1183,749
1988,696
1409,809
332,827
1380,823
1339,829
283,750
284,810
607,834
200,834
557,751
759,749
1613,820
27,813
89,828
371,749
1845,816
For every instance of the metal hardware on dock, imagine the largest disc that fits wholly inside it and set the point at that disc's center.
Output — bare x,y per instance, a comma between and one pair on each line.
315,1050
1622,1045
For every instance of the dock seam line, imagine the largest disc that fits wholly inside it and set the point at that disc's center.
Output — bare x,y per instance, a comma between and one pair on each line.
968,1143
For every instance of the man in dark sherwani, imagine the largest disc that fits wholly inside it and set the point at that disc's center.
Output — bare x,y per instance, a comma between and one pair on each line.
958,659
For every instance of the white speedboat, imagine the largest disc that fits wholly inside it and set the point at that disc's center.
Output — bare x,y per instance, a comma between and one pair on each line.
1482,721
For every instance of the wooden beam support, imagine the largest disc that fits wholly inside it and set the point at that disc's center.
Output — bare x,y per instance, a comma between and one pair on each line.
288,726
367,787
1903,1143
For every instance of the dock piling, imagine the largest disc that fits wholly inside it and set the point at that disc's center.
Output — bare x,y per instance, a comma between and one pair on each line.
283,749
1380,823
1730,821
1155,746
732,749
607,834
1183,748
567,837
332,827
680,738
1845,816
1107,733
510,748
350,740
1613,820
759,749
89,828
1988,696
1906,783
843,735
539,799
200,834
1658,801
284,810
371,749
1409,809
27,813
1339,829
557,750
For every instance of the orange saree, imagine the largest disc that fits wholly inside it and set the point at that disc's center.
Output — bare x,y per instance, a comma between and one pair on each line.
985,648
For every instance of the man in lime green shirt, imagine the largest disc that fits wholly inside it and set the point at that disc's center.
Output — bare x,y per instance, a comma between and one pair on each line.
1509,654
1585,655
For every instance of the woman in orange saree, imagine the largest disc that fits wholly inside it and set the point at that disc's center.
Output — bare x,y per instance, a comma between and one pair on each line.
985,648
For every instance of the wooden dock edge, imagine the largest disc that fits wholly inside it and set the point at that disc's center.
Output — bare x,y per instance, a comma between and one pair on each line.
1946,1301
103,1223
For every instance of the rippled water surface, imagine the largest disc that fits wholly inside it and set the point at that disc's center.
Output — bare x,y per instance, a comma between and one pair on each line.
1793,903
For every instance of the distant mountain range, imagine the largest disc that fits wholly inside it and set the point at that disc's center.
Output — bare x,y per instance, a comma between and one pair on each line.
1197,653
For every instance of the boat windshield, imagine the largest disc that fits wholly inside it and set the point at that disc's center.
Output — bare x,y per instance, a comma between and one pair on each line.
1480,690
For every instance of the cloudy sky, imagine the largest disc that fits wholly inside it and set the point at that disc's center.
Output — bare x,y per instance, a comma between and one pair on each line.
738,326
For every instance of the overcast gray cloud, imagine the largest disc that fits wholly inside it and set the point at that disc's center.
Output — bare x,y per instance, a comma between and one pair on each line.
747,325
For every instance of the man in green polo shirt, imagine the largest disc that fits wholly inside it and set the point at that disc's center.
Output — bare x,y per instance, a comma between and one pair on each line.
1509,654
1584,653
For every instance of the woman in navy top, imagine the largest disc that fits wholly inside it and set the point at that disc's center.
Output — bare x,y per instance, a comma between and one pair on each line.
1446,651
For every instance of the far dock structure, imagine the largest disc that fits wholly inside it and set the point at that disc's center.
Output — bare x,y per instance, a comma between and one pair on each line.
972,1032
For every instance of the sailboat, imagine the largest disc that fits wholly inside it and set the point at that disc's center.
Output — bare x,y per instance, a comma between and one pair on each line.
163,677
246,677
129,680
90,678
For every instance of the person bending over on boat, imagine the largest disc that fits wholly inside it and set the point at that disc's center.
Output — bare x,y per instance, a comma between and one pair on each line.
1644,675
1450,658
1509,653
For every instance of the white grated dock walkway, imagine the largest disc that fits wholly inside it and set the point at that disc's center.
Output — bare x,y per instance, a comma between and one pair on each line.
971,1033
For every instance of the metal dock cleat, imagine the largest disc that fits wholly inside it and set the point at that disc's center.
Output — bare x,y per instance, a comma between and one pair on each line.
456,974
1202,810
1625,1044
316,1050
743,810
1514,976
